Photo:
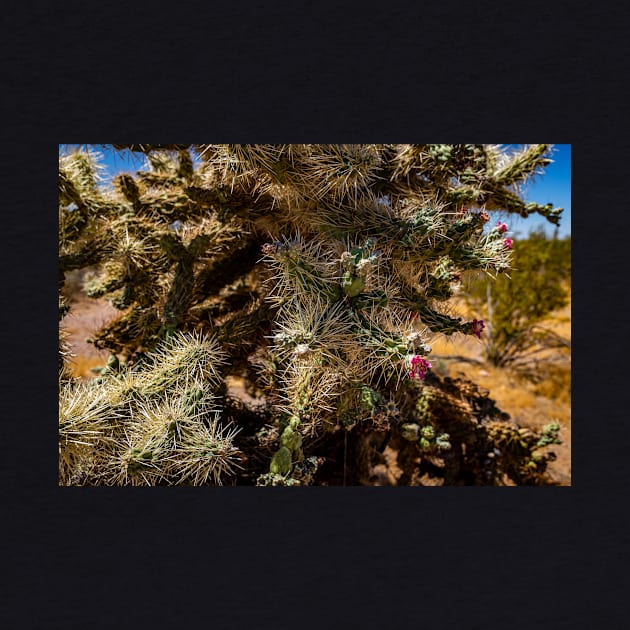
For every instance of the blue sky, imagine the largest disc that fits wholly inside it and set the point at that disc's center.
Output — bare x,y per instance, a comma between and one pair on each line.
552,187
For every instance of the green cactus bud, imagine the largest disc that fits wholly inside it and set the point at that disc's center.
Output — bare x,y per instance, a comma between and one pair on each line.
551,428
410,432
281,462
291,438
425,444
428,432
442,442
139,459
400,349
352,285
549,435
370,398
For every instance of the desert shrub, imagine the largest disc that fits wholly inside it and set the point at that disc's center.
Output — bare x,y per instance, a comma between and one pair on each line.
516,307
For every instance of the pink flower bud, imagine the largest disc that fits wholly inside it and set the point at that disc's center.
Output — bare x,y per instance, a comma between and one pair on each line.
502,227
419,367
508,242
477,327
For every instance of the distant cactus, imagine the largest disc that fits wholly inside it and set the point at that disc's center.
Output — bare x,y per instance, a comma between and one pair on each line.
319,273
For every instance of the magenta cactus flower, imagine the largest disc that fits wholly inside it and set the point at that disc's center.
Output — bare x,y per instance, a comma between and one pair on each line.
508,242
477,327
502,227
419,367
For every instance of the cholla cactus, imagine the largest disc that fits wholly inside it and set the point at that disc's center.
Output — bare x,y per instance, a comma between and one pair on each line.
158,424
319,270
482,447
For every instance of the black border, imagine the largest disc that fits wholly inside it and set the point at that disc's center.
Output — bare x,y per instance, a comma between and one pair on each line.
340,557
